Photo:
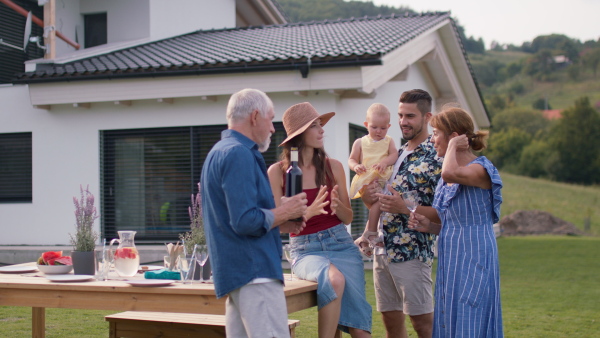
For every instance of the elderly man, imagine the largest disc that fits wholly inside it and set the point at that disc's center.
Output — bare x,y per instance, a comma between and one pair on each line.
242,223
402,267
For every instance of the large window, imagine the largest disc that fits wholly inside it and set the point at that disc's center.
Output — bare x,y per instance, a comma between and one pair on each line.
361,213
149,175
15,167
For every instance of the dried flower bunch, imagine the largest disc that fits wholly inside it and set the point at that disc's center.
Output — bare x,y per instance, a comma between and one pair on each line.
85,214
196,234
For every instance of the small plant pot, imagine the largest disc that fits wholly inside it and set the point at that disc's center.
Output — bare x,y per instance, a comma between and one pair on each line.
84,262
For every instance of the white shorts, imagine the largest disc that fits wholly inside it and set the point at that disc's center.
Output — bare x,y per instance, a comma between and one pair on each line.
257,311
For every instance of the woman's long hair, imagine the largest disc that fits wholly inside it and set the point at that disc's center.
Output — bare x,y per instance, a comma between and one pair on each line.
454,119
324,175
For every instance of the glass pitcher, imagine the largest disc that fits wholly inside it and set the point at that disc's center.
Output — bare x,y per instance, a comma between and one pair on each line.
126,257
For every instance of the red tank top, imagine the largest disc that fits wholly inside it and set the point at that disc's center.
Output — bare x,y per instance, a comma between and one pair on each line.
319,222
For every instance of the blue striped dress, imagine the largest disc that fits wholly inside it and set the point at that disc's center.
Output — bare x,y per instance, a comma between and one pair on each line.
467,288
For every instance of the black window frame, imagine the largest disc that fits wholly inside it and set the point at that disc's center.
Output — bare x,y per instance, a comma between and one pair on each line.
359,210
16,167
189,146
95,26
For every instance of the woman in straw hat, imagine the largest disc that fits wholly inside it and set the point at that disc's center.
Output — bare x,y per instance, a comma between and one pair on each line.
324,251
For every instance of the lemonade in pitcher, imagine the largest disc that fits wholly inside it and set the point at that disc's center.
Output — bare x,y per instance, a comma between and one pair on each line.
126,257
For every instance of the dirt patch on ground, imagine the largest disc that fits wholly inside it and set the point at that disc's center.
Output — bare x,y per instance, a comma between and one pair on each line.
535,222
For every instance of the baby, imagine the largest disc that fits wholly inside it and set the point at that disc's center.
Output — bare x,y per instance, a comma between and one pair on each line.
372,158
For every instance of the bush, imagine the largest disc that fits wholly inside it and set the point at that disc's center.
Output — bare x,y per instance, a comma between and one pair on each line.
534,158
505,147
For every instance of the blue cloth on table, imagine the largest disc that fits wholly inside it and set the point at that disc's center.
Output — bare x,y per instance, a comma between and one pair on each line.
162,274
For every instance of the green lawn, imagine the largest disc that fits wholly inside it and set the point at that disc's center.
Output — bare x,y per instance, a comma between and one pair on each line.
570,202
550,288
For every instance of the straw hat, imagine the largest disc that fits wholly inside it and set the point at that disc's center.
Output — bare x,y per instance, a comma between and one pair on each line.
299,117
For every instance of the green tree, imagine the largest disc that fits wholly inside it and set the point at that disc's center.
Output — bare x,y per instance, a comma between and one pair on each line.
534,159
541,104
505,148
530,121
309,10
540,64
591,59
576,139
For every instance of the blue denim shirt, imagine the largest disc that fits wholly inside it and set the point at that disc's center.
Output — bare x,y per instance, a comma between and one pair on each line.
236,203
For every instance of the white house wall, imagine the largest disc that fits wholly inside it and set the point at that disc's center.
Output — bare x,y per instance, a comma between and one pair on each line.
66,144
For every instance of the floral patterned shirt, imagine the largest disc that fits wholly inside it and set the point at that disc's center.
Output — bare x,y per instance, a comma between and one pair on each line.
419,171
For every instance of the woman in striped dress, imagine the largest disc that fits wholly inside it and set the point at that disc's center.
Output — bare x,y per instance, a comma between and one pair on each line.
467,199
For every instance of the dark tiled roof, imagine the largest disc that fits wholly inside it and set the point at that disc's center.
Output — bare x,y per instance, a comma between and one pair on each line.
356,41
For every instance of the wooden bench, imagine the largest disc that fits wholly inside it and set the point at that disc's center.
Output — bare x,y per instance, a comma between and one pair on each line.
138,324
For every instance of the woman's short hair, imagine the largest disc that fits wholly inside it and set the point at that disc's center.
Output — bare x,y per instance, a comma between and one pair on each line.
244,102
453,119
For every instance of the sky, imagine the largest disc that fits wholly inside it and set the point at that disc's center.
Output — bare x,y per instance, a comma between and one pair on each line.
515,21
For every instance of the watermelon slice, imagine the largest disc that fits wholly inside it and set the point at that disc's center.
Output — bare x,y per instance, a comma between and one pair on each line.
64,260
51,255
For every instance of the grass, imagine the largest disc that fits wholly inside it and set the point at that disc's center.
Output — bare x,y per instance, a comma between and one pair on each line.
549,289
572,203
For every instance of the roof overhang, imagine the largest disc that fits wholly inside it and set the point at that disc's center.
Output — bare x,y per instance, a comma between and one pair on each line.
437,53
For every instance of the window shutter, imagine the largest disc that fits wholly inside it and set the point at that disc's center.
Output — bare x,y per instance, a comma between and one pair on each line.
149,175
15,168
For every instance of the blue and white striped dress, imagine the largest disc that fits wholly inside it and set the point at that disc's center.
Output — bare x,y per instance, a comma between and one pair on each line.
467,288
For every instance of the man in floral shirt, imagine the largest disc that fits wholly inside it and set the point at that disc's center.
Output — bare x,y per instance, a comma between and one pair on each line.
402,267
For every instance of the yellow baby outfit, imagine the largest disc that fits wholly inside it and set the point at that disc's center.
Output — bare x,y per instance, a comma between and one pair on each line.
372,153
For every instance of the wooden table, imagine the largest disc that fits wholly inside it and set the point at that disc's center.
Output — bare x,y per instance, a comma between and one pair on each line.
40,293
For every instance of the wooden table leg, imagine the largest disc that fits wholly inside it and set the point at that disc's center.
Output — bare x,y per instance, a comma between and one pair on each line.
38,322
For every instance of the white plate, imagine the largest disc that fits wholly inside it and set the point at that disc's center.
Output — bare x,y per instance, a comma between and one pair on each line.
17,269
150,268
150,282
69,278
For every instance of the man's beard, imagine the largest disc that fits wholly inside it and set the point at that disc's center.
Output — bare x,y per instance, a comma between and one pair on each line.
264,145
414,134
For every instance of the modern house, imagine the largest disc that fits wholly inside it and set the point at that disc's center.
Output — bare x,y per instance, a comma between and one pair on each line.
134,118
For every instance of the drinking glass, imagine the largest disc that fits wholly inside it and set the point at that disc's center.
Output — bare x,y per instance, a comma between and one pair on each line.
187,265
411,200
104,264
287,250
201,252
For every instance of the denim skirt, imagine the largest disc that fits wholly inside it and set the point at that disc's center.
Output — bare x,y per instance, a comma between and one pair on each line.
313,254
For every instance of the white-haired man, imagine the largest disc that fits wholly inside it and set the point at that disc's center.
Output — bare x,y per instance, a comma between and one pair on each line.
241,221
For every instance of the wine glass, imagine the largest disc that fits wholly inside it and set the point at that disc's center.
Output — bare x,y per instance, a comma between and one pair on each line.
201,252
411,200
287,249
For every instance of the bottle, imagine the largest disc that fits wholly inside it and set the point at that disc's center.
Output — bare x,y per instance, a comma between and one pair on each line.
293,178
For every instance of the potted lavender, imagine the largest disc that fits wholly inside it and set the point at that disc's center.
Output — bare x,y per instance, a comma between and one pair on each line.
196,233
84,240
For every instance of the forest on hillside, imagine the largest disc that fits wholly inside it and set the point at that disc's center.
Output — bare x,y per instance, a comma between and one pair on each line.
518,83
